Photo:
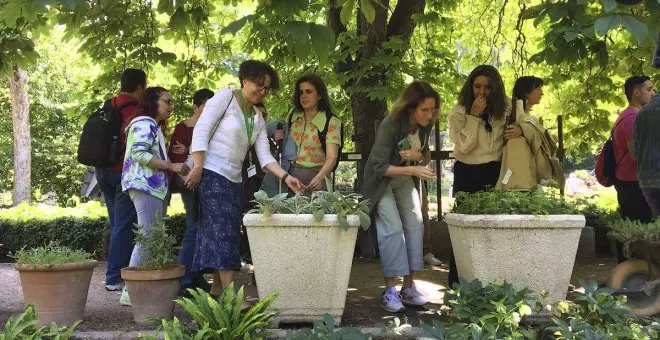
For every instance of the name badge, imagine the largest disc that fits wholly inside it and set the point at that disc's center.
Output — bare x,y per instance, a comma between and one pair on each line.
252,171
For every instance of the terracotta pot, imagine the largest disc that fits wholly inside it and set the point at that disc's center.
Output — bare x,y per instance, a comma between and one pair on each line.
152,292
58,292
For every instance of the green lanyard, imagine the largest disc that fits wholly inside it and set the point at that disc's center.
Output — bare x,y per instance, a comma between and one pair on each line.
249,121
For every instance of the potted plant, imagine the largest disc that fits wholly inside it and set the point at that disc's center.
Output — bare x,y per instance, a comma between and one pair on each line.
55,279
528,239
154,285
302,247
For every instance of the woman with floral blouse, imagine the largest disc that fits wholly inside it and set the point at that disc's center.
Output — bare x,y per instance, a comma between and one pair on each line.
313,162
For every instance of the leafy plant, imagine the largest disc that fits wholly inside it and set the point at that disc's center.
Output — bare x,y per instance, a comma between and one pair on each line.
24,326
510,202
494,309
629,231
158,244
319,204
50,254
325,329
221,319
598,314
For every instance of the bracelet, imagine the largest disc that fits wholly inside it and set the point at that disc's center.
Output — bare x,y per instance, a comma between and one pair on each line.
286,174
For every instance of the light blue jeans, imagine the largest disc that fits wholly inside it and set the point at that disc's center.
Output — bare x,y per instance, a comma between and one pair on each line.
400,228
149,209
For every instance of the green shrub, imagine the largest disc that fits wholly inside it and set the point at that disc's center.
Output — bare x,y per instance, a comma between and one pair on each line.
30,226
497,202
159,243
222,318
50,254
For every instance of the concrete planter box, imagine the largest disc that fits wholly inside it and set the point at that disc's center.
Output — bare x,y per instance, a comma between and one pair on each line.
537,252
307,262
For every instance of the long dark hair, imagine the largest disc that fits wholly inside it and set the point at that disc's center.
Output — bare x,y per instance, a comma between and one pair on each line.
319,85
496,99
412,96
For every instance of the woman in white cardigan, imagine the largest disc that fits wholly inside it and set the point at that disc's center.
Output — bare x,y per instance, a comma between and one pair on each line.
228,125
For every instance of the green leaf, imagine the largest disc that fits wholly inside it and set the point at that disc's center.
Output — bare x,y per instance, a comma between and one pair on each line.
323,40
318,214
347,11
368,10
606,23
299,30
236,26
165,6
533,12
570,36
608,5
636,27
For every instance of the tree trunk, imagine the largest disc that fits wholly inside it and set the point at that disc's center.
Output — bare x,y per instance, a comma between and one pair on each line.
368,113
20,107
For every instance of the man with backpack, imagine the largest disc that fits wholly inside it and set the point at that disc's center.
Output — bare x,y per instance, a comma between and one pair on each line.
121,210
633,206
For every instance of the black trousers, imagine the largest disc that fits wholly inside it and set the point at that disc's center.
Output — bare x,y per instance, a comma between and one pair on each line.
633,206
471,178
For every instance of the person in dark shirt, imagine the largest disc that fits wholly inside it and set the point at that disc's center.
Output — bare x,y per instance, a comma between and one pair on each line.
121,211
646,151
178,153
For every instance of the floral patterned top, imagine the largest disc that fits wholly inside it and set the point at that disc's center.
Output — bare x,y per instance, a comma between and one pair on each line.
144,141
306,136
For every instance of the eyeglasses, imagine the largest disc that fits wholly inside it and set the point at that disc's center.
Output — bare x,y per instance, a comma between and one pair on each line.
489,128
265,89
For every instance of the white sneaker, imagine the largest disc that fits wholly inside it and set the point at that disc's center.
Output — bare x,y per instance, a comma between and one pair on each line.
412,297
115,287
430,259
124,299
391,300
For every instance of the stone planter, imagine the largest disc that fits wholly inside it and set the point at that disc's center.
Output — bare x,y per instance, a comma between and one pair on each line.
58,292
537,252
307,262
152,292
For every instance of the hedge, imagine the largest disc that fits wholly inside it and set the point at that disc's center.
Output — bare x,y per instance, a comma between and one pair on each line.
81,228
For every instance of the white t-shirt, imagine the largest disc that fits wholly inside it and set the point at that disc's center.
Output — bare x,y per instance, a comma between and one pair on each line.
227,148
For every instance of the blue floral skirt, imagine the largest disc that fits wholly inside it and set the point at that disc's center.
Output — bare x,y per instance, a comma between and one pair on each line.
218,243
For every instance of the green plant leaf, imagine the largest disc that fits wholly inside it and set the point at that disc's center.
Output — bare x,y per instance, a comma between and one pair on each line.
608,5
236,26
347,11
636,27
368,10
606,23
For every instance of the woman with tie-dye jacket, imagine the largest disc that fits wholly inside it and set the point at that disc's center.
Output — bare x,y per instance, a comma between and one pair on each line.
144,175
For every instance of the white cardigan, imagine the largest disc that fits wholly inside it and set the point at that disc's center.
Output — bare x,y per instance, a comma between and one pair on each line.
472,143
227,148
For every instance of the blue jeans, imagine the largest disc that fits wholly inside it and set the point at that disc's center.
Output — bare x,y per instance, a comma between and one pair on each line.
187,251
653,199
122,216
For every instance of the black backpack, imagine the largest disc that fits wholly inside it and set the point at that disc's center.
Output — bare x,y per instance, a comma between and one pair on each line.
99,142
323,133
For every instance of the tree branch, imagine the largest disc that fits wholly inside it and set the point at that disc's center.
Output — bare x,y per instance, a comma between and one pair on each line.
401,23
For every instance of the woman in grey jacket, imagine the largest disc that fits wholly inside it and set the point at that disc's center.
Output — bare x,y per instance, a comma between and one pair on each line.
392,174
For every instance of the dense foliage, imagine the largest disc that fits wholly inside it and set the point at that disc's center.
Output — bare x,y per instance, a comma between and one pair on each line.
50,254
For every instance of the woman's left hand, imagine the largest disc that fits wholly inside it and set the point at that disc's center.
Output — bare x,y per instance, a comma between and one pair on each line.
316,183
410,155
512,131
294,184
